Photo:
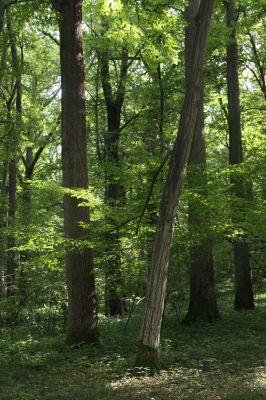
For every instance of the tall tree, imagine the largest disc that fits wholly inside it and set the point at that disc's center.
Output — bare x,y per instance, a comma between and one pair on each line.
114,192
82,315
244,298
198,14
202,300
12,187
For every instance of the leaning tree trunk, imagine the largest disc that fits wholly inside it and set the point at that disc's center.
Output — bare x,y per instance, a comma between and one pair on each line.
82,315
198,14
244,298
202,300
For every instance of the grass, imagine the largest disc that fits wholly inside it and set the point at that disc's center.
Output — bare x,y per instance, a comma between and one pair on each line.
222,361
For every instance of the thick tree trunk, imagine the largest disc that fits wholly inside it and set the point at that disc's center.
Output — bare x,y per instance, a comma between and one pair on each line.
82,315
202,301
155,296
244,298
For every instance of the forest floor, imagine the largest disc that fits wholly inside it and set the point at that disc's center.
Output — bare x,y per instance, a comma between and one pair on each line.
224,361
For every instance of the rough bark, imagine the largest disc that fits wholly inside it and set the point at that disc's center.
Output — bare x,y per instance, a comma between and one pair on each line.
244,298
202,300
82,315
157,280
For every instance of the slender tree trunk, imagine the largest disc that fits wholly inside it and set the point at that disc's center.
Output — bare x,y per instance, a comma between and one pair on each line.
202,301
244,298
2,14
82,315
113,196
114,191
2,225
199,14
11,242
26,220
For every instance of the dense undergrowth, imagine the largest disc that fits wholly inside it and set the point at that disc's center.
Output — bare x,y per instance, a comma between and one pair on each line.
225,361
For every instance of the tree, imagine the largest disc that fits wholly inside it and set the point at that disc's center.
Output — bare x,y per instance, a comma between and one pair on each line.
202,299
114,192
198,14
82,316
244,298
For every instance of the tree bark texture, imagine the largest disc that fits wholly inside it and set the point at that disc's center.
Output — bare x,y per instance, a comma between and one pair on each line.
82,315
244,298
157,280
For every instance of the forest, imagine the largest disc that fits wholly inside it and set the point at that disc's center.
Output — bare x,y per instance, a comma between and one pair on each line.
132,199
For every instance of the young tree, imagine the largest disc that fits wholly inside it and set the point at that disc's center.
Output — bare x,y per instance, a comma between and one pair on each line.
244,298
82,316
198,15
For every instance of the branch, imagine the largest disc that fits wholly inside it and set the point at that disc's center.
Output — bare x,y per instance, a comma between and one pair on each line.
50,36
13,2
150,191
130,120
30,168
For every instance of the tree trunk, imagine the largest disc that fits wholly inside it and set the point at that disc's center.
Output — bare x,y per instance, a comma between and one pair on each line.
82,315
244,298
202,301
26,222
155,296
11,242
114,191
113,197
3,193
2,14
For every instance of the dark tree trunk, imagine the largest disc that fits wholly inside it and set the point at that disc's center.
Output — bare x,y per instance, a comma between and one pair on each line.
2,224
113,196
82,314
244,298
11,242
202,300
198,13
114,192
26,222
2,14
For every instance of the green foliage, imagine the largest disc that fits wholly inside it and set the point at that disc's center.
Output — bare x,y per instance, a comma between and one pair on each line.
223,361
